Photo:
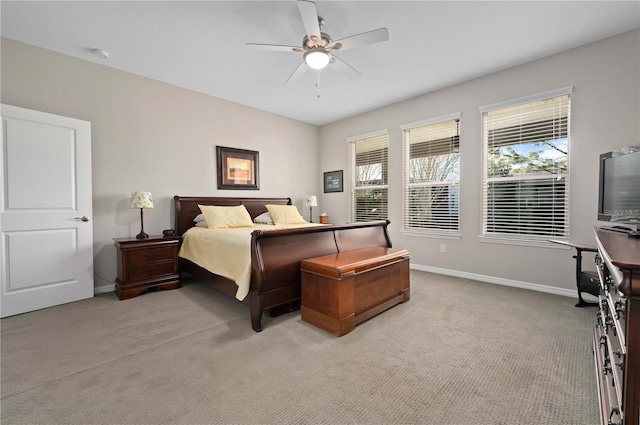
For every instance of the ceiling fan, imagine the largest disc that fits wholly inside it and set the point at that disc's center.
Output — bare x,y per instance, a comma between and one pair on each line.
318,48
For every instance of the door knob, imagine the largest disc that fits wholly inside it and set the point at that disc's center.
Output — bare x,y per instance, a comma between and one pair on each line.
83,218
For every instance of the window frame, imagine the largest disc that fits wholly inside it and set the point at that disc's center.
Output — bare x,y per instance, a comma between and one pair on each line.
407,185
523,239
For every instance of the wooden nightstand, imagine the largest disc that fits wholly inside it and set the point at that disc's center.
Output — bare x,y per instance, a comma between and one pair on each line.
146,263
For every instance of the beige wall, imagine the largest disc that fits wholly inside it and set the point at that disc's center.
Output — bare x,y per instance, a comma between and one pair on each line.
605,115
148,135
152,136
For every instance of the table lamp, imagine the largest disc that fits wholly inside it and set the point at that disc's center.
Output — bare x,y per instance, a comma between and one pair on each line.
141,200
311,202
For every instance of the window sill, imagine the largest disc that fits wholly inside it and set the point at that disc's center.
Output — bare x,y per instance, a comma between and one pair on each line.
539,243
431,234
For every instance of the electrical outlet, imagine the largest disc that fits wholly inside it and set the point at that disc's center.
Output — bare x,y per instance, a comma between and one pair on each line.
443,247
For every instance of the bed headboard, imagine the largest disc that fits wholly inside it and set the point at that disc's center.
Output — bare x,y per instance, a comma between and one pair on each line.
186,207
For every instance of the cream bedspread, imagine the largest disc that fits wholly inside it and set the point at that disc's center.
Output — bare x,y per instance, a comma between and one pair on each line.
226,252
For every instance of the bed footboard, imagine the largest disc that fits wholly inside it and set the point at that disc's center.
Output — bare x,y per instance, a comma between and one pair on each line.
276,256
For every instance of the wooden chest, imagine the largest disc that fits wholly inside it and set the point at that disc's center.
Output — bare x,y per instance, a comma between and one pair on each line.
340,291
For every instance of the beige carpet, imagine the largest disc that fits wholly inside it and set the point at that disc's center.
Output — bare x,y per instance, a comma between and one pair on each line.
460,352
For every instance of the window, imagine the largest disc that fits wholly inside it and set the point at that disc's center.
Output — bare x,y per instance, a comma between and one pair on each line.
369,169
525,186
431,176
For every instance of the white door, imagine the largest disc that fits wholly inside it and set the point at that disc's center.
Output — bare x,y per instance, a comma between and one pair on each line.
46,250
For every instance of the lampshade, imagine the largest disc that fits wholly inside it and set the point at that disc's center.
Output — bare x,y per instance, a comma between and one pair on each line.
141,200
316,58
311,201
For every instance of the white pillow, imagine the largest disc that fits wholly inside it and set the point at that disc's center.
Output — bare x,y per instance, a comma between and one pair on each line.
264,218
201,224
198,218
219,217
285,214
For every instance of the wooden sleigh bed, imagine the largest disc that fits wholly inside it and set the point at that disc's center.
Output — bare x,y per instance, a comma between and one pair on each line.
275,286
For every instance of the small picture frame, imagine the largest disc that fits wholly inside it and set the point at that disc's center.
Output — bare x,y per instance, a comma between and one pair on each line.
333,181
237,168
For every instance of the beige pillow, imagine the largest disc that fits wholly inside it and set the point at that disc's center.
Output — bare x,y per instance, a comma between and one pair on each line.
285,214
218,217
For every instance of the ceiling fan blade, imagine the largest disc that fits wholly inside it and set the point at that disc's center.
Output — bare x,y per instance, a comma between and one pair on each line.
274,47
309,18
370,37
299,72
345,68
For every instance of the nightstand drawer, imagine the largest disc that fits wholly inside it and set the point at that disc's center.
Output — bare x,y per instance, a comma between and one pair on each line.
139,257
149,271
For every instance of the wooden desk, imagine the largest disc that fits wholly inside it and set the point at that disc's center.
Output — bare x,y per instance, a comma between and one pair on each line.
586,281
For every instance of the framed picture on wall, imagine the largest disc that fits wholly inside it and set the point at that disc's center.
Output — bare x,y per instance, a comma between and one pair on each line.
333,181
237,168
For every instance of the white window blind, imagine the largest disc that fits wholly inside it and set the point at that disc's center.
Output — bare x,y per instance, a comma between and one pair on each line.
525,186
369,168
431,175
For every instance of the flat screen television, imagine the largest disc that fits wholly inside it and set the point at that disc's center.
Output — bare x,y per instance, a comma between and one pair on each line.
619,192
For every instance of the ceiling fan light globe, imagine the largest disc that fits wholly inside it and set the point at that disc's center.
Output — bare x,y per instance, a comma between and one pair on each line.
316,59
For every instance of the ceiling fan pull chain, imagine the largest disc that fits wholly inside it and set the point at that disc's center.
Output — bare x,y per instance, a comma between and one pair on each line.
318,86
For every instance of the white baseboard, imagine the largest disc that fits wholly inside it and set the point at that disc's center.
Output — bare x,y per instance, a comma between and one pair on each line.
573,293
104,289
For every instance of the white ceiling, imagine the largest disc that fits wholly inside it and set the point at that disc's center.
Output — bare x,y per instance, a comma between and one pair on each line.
201,45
